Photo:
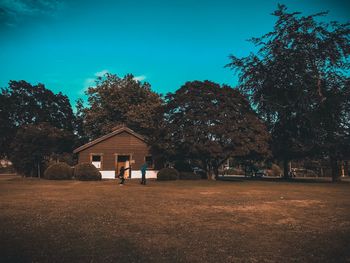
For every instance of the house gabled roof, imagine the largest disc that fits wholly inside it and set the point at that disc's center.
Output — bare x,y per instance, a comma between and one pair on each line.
109,135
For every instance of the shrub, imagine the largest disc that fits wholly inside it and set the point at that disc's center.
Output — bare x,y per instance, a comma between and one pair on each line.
166,174
189,176
86,172
274,171
58,171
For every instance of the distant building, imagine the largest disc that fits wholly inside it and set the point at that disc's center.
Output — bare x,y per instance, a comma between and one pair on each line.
121,147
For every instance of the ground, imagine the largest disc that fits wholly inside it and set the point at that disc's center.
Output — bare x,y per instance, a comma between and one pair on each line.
178,221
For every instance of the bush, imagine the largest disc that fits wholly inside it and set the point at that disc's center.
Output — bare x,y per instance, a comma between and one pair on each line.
58,171
166,174
86,172
274,171
189,176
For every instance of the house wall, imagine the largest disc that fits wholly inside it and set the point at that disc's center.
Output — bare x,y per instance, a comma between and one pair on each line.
121,144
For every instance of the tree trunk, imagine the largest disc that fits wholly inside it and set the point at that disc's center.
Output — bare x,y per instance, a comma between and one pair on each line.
216,173
346,168
285,168
335,170
210,175
209,172
39,170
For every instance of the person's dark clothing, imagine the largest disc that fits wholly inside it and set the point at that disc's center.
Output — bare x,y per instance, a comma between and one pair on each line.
122,173
143,173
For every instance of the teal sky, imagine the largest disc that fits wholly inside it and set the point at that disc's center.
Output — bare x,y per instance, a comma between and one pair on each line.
66,44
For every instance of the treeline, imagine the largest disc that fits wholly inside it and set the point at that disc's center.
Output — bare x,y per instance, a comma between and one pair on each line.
298,82
292,103
35,124
202,121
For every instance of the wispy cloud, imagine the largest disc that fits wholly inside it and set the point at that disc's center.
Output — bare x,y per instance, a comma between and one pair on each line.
14,11
101,73
91,81
140,78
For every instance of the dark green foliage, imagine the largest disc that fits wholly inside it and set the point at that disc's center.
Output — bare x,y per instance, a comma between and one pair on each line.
7,128
167,174
116,101
68,158
36,104
58,171
333,123
299,70
80,115
182,166
189,176
24,104
208,123
33,146
86,172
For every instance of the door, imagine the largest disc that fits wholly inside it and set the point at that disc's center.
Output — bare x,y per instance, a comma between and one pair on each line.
123,161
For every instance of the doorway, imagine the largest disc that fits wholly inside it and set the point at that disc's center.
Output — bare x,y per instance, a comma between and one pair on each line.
123,161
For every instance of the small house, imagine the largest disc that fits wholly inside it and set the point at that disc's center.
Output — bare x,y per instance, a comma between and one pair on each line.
121,147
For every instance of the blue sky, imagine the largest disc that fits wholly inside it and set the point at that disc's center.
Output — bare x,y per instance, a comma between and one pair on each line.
66,44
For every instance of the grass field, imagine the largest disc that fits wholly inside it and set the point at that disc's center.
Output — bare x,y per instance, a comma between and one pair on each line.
180,221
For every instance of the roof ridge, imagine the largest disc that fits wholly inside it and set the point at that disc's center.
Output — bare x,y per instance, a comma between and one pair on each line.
108,135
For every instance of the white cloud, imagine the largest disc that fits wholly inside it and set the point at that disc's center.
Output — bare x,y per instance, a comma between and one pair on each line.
140,78
101,73
90,82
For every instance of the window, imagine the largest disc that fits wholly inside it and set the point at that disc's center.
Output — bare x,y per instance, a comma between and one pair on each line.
149,161
96,160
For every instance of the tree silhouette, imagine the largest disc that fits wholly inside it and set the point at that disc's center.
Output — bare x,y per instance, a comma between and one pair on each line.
285,78
33,145
23,104
114,101
208,123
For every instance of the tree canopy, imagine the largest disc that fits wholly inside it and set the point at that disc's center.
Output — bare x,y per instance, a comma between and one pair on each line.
297,67
209,123
114,101
23,104
33,145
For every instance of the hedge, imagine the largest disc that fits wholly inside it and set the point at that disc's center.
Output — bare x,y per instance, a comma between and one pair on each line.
86,172
189,176
166,174
58,171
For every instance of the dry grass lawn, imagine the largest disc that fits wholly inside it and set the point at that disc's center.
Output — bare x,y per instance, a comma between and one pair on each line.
181,221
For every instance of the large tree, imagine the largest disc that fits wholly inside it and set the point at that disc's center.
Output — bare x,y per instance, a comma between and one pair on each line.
7,128
114,101
284,79
34,145
209,123
22,104
333,122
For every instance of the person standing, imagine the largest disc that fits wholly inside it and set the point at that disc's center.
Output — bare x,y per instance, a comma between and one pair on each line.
122,175
143,173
